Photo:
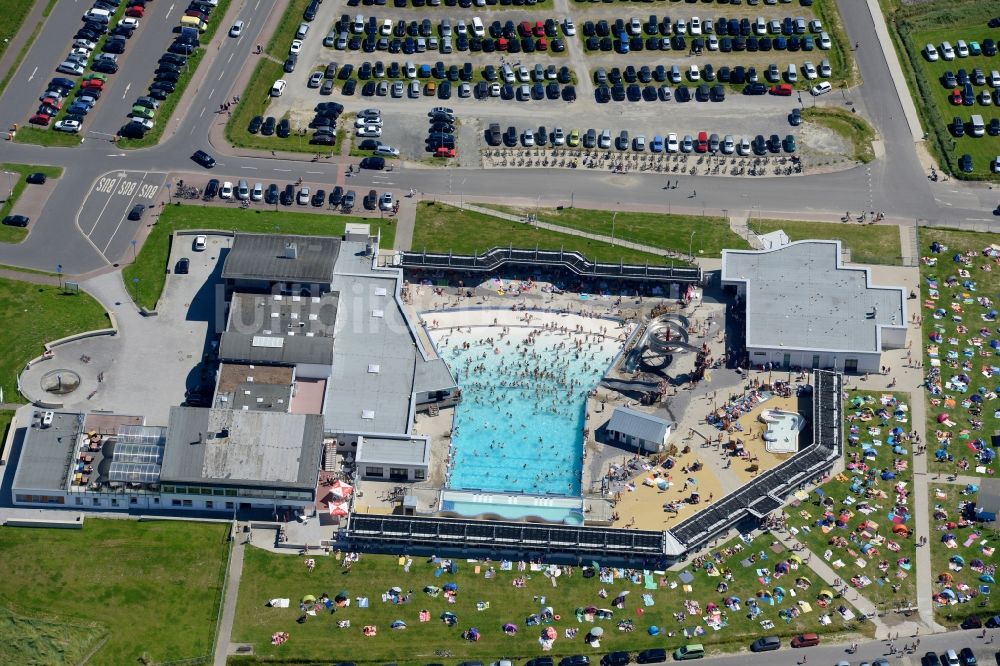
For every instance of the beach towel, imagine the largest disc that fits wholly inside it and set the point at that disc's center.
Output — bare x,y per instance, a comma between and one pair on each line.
649,582
647,599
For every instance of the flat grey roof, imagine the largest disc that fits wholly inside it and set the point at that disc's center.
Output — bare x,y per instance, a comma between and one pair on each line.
286,350
264,257
261,397
409,451
242,448
639,424
800,296
47,453
267,314
375,353
432,375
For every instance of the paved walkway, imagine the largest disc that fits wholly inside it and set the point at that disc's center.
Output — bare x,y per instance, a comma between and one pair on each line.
229,603
649,249
33,18
406,220
35,278
898,79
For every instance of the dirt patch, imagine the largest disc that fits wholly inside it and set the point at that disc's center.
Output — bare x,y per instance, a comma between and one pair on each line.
823,140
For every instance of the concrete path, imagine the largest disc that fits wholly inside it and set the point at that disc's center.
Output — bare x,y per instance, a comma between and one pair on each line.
895,69
649,249
15,45
222,639
35,278
406,219
908,244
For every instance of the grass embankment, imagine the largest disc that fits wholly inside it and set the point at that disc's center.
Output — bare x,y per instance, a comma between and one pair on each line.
912,26
17,234
152,588
46,137
851,126
666,231
875,560
869,244
6,416
167,106
956,305
12,16
151,267
489,603
36,314
443,228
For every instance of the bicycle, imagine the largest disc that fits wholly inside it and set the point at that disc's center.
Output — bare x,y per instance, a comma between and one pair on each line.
244,204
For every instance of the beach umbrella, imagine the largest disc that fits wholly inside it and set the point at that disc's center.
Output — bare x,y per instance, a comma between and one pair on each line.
343,595
473,634
451,587
510,629
976,563
957,559
654,630
341,489
948,592
597,632
976,398
338,509
308,599
826,593
398,624
987,578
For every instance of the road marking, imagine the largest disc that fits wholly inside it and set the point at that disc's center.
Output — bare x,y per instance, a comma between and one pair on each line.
33,74
221,75
168,11
256,6
125,94
132,194
202,111
111,195
212,92
319,172
248,167
230,58
282,169
116,154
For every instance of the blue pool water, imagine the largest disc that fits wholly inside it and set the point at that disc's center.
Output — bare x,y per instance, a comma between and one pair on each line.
519,427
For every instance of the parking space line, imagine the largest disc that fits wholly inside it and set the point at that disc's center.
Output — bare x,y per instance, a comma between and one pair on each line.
128,207
98,217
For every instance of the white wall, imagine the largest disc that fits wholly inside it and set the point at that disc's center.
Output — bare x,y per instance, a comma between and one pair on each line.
804,359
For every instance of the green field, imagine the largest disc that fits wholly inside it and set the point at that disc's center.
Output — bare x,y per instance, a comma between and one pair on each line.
37,641
12,16
268,576
152,587
890,583
669,232
443,228
150,265
950,309
6,416
17,234
915,25
37,314
944,501
46,137
869,244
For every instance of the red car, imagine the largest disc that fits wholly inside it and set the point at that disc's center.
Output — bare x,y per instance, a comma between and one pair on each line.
40,119
502,44
539,29
956,96
701,146
93,83
135,11
782,90
525,28
444,152
52,101
542,44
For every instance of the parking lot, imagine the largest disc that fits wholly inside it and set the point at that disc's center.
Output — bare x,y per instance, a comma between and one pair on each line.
696,88
104,215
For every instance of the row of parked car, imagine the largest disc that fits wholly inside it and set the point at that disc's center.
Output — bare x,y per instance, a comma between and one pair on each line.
669,143
441,132
695,27
96,24
273,195
963,92
169,67
725,74
373,34
447,3
962,49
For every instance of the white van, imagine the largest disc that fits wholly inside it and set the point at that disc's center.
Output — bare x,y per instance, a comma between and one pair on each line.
96,14
242,190
978,126
508,73
792,73
278,88
477,27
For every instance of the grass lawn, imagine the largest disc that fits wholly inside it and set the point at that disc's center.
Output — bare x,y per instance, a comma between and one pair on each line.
17,234
868,557
150,265
442,228
869,244
152,587
37,314
46,137
267,576
958,359
917,24
851,126
670,232
12,13
962,575
37,641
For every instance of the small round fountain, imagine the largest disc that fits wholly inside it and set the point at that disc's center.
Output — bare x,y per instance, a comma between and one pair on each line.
60,382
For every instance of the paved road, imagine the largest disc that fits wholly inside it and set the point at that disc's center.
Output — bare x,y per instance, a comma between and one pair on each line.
894,183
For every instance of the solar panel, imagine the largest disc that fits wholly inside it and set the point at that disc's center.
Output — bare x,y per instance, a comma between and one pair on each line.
137,453
134,472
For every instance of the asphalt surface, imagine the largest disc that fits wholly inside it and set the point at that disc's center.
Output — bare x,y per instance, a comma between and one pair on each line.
894,183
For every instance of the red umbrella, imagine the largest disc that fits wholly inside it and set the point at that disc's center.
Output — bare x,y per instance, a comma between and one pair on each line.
338,509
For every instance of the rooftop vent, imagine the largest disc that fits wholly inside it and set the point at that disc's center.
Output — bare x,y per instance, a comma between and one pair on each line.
291,251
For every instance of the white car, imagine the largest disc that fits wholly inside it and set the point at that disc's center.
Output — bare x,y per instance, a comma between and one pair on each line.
72,126
695,26
384,150
995,79
385,202
713,43
680,26
947,52
604,140
694,73
672,145
743,147
296,47
494,89
996,164
821,88
364,121
70,67
962,49
129,22
824,41
226,191
809,70
370,131
257,193
200,243
528,138
728,145
558,137
85,44
237,29
386,29
278,87
148,123
569,28
77,51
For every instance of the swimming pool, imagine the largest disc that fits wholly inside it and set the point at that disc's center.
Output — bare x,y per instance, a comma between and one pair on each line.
519,427
470,504
782,435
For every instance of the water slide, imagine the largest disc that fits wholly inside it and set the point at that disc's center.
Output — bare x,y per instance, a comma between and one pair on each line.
667,334
637,385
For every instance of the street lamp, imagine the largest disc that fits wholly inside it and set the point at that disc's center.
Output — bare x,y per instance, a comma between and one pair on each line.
691,245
